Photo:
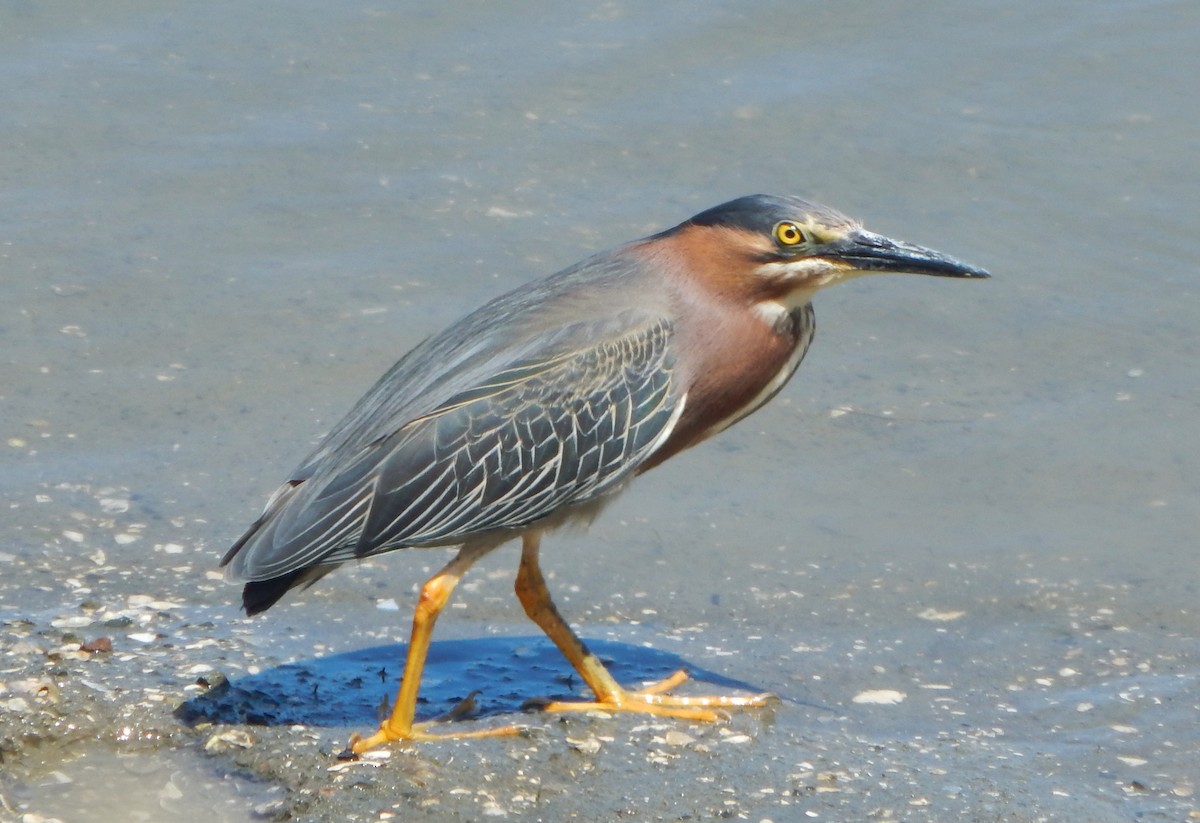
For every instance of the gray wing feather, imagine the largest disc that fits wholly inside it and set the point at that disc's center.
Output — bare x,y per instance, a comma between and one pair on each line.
538,436
512,448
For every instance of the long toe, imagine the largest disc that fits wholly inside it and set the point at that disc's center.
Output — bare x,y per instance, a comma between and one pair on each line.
635,705
420,732
653,700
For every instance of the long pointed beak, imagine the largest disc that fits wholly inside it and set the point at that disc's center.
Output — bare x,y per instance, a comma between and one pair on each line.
869,252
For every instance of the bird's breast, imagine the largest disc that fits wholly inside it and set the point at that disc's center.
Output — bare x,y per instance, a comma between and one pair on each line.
731,365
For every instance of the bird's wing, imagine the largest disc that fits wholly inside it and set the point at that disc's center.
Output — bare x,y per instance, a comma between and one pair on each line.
537,435
566,312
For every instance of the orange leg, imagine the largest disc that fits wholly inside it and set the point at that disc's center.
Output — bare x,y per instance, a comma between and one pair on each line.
610,696
400,726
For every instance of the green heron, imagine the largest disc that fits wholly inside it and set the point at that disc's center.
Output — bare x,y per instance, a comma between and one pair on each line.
538,408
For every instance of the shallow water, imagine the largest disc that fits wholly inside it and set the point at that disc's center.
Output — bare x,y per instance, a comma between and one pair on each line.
96,783
219,225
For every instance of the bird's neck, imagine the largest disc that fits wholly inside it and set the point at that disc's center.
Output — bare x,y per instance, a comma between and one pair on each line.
745,362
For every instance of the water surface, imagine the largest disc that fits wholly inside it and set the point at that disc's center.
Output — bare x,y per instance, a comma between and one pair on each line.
219,224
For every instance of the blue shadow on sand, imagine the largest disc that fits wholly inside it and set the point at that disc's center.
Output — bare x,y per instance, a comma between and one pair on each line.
349,689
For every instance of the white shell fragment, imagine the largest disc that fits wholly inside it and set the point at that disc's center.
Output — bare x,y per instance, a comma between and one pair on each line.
881,697
229,739
938,616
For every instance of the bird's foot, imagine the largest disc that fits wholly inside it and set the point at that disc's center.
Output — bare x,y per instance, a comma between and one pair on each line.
416,732
654,700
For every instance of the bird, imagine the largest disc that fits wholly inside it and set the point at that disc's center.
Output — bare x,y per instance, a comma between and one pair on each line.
538,408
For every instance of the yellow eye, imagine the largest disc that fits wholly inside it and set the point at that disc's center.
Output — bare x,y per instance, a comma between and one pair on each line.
789,234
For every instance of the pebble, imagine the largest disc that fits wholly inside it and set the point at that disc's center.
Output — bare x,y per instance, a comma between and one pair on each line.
114,505
31,817
76,622
23,647
275,810
99,644
229,739
587,745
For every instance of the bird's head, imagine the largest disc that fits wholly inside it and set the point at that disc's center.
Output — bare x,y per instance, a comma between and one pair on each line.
778,251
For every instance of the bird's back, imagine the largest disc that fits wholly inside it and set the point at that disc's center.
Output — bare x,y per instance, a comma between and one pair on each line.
545,398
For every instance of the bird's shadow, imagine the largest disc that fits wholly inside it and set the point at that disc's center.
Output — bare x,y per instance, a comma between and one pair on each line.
353,688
